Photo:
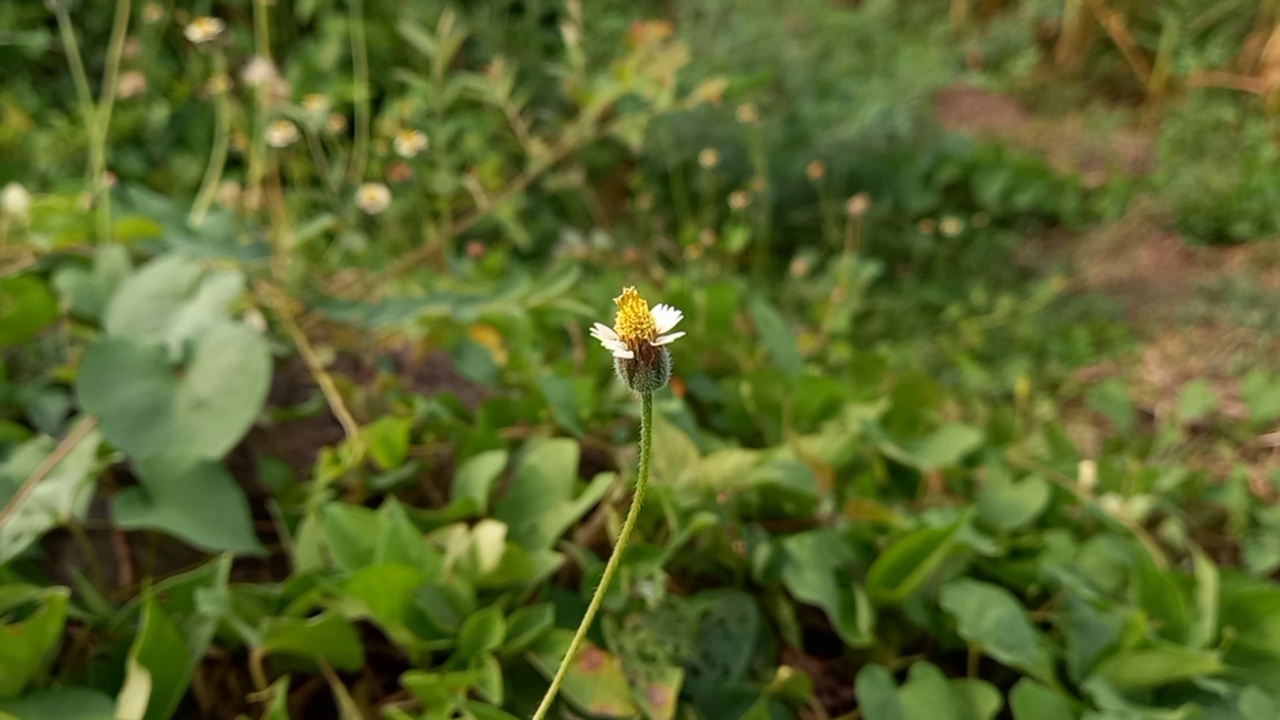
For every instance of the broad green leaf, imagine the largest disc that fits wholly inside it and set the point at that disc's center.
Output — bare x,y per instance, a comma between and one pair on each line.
1196,399
1031,700
1161,595
385,594
63,703
1111,398
818,570
1261,395
1009,505
946,446
594,683
159,668
525,625
146,410
877,694
976,699
544,499
1155,666
926,695
992,618
327,636
388,441
728,634
1251,615
559,395
475,477
1257,705
776,337
170,300
28,646
62,495
481,632
905,565
26,308
87,291
351,534
196,500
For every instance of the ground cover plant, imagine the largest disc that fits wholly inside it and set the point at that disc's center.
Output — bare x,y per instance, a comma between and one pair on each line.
304,412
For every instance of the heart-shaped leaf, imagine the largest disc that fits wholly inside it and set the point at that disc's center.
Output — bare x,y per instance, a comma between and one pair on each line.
196,500
146,409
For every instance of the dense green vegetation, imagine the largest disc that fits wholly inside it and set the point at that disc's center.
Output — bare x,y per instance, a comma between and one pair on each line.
300,418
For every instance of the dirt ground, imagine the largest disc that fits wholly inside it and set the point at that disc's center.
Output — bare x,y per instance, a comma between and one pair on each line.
1197,311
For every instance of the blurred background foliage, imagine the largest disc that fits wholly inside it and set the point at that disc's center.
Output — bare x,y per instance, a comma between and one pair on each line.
975,418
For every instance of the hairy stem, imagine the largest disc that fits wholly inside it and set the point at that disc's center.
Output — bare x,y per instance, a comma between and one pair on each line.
642,480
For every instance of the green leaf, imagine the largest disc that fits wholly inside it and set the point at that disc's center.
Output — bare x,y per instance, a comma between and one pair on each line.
196,500
145,410
905,565
945,447
559,395
526,625
63,703
993,619
543,500
481,632
87,292
170,300
1111,398
62,495
159,668
1152,667
594,682
975,699
776,337
388,441
1196,399
27,647
728,634
351,534
1009,505
1261,395
926,695
1257,705
1204,624
475,477
1031,700
817,570
877,694
26,308
1161,595
327,636
385,594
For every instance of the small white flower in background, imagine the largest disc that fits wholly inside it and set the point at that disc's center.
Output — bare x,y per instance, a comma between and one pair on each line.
747,113
373,198
638,340
858,205
336,124
218,84
131,84
708,158
282,133
153,13
229,193
951,226
15,202
204,29
739,199
315,103
258,71
409,142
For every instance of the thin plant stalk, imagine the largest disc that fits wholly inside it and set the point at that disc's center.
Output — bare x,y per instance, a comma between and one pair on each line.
628,525
218,155
261,98
89,113
360,66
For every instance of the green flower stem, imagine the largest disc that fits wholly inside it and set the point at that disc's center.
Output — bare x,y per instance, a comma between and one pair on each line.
218,155
642,480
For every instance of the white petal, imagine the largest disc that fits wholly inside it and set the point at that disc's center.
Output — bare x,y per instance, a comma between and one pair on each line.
613,345
603,332
624,354
667,339
666,317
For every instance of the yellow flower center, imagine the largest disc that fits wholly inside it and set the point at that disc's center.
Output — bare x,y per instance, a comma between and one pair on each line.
634,322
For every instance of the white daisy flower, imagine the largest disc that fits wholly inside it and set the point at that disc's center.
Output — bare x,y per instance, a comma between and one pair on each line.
204,29
408,143
282,133
636,328
373,198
